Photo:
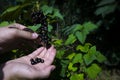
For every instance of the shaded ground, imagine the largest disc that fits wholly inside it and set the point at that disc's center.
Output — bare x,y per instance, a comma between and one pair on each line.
113,74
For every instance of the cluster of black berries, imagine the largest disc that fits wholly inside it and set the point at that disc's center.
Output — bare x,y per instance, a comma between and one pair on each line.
36,61
39,18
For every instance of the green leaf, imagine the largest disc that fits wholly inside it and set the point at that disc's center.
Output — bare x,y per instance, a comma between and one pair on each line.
105,10
92,50
50,27
13,13
72,29
81,76
77,59
88,27
103,2
77,77
4,23
71,68
68,30
10,9
71,39
60,54
81,36
70,56
58,42
64,65
68,74
35,27
77,27
100,57
46,9
84,48
57,14
90,56
80,47
93,71
14,51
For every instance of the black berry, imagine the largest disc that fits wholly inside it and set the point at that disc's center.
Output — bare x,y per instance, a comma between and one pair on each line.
33,62
39,18
38,60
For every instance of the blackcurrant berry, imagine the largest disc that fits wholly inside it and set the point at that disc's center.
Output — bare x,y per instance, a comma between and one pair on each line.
38,60
32,61
39,18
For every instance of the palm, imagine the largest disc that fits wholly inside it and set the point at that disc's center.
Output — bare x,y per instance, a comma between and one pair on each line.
24,68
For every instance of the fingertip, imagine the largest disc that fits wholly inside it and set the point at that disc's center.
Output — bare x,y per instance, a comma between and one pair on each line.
36,52
53,67
51,47
52,51
34,35
41,49
25,34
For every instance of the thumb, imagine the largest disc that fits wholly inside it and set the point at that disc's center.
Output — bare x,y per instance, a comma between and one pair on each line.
49,69
44,73
26,34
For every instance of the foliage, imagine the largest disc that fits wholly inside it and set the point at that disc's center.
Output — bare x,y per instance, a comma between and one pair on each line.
105,14
105,9
79,31
4,23
81,63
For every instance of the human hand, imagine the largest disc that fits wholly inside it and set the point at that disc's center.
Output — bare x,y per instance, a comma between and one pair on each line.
21,68
11,37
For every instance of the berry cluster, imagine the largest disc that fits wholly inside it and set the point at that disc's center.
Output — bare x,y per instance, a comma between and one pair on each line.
43,39
39,18
36,61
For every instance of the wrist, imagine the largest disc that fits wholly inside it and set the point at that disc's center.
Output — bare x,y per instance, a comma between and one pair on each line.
5,75
7,72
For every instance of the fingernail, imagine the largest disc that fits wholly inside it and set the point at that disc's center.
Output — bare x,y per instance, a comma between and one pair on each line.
34,35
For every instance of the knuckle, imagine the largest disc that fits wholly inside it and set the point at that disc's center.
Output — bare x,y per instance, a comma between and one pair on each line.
14,32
